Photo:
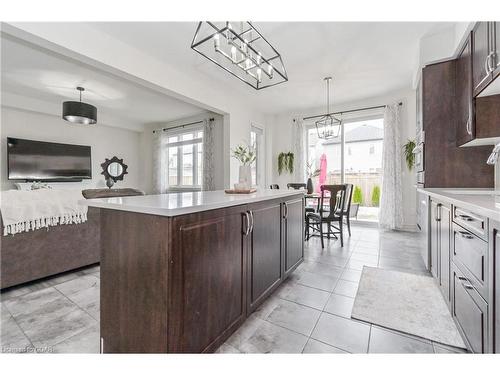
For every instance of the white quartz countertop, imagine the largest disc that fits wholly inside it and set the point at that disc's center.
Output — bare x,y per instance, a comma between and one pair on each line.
485,202
174,204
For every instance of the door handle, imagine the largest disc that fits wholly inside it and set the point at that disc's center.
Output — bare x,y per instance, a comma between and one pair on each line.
247,223
251,226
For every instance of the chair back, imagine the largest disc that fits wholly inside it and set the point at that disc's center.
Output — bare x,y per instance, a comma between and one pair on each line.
296,185
348,198
336,198
274,186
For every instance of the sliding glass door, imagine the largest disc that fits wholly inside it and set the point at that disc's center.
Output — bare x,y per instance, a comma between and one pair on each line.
355,157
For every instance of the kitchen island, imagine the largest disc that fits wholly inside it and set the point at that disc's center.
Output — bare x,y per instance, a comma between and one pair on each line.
181,272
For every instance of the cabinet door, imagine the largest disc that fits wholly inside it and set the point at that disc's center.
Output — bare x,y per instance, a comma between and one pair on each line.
480,52
434,239
207,279
470,312
293,223
264,255
464,107
495,280
444,250
496,47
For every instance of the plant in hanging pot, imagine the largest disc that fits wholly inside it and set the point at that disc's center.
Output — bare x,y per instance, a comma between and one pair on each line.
408,149
285,162
310,175
246,155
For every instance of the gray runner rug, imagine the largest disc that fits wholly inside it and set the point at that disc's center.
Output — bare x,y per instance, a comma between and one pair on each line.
407,303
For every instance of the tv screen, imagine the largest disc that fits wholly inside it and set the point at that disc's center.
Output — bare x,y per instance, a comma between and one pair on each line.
45,161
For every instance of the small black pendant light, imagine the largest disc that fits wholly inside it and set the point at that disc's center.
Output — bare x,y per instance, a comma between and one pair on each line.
79,112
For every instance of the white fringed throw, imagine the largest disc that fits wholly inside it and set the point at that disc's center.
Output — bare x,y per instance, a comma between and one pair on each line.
23,210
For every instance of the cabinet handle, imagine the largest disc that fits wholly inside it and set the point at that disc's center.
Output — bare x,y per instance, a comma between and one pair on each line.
466,217
468,286
487,64
251,217
438,212
469,121
462,278
285,208
247,224
488,60
466,235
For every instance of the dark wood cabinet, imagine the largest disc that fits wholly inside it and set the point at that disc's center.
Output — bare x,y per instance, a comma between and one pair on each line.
293,230
184,284
207,279
444,250
434,239
264,251
481,44
470,312
447,165
465,127
440,246
494,242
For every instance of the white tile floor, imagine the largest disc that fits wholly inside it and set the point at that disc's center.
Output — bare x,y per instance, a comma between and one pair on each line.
310,313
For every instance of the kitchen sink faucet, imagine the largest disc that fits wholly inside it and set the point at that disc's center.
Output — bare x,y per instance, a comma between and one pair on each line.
494,155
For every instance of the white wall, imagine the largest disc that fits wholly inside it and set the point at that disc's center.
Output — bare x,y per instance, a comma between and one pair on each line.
280,128
105,142
89,45
221,162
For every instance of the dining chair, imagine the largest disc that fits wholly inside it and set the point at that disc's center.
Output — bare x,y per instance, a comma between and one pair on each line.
274,186
335,202
345,211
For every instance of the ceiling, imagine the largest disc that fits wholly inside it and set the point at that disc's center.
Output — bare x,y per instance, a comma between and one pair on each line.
37,74
366,59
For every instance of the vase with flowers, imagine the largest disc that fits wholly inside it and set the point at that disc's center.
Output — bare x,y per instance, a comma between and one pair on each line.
246,155
311,173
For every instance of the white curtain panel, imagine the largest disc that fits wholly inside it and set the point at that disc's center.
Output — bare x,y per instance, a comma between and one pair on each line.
391,200
159,163
298,149
208,182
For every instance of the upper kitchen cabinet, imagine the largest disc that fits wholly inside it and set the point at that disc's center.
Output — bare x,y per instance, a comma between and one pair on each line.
464,101
455,167
481,55
478,87
486,58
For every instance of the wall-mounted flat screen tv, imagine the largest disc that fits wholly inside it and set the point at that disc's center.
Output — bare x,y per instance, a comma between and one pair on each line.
46,161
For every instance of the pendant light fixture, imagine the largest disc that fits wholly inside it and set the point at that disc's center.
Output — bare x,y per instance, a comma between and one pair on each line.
241,51
328,126
79,112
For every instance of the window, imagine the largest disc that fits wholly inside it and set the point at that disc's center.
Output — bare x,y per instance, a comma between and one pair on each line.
357,160
256,142
184,151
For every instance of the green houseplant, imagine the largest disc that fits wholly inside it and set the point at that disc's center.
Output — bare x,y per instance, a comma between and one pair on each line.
408,149
285,162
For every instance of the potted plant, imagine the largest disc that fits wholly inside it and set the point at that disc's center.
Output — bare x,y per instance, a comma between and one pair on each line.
408,148
285,162
246,155
310,175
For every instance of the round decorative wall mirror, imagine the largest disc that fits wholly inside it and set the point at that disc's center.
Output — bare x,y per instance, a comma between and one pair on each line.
113,170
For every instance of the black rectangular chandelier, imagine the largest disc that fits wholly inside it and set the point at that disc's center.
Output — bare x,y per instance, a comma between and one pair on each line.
240,49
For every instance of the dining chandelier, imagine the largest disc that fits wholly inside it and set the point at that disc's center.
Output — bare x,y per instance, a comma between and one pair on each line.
241,51
328,126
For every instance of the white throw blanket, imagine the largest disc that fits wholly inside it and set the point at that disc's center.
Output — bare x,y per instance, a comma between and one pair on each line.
23,211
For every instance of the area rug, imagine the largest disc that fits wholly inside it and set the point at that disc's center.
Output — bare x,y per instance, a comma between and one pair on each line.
407,303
